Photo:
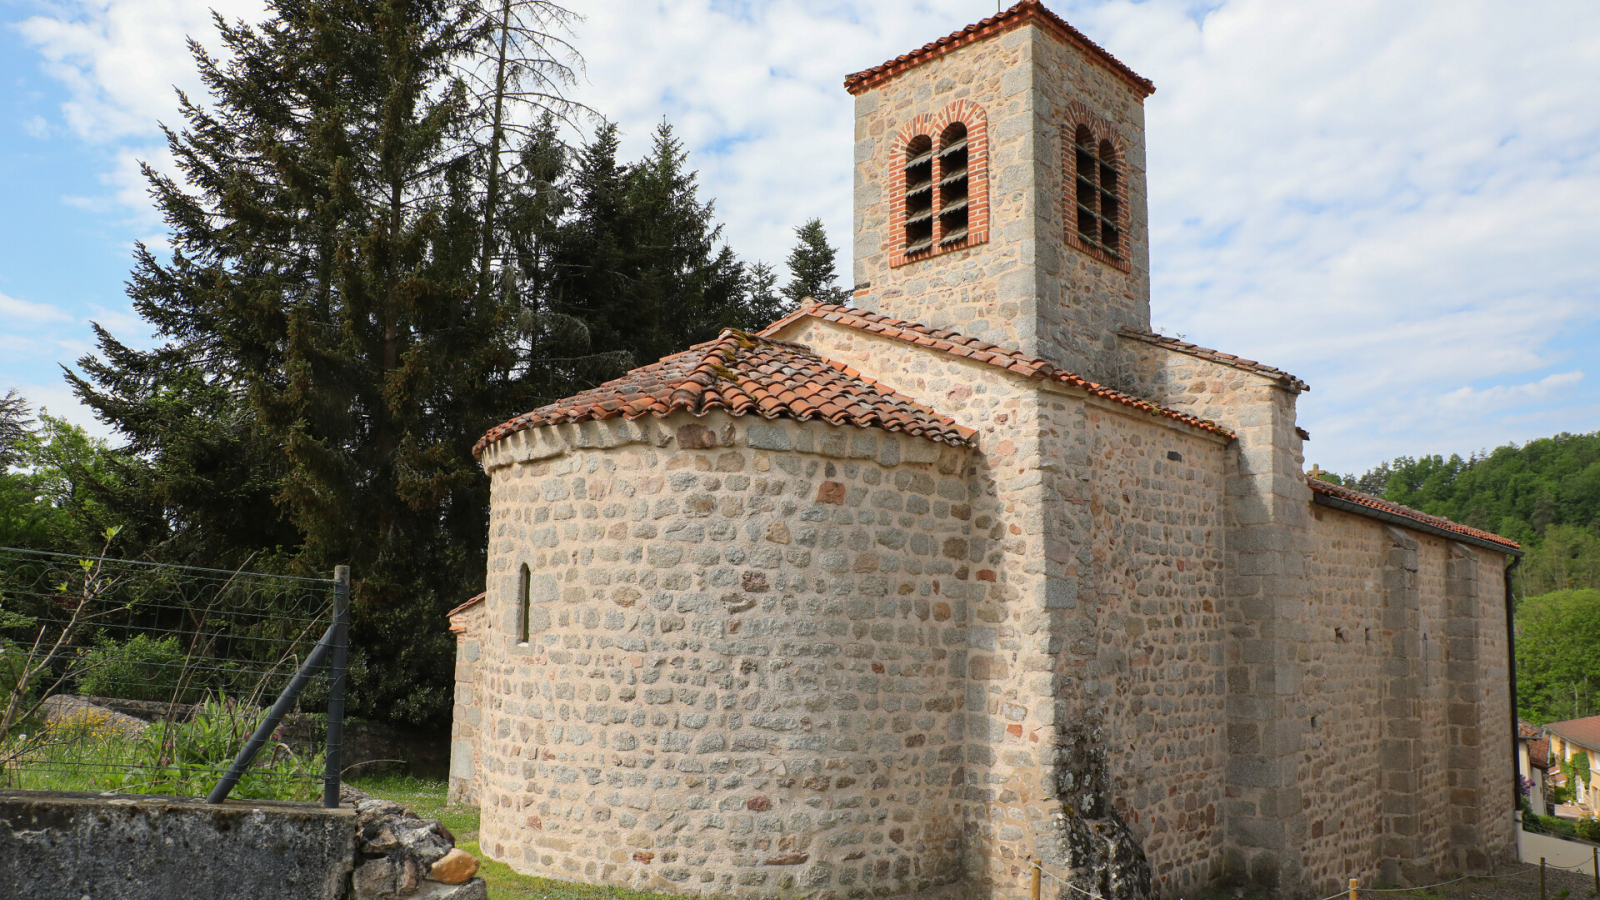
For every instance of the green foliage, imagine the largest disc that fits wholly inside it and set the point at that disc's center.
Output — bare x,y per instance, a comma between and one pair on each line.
1544,494
1576,769
1556,659
1588,828
1557,793
811,264
182,759
141,668
46,499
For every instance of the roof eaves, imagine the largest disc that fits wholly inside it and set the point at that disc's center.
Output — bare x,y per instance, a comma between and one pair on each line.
960,345
1018,15
1216,356
1347,500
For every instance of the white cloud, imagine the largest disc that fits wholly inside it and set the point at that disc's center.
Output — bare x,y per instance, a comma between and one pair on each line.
36,127
1500,396
1390,200
13,309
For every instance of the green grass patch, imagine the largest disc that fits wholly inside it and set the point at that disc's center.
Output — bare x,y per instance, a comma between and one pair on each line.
427,799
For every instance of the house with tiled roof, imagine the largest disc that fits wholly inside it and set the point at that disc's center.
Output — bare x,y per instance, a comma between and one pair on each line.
1568,739
898,596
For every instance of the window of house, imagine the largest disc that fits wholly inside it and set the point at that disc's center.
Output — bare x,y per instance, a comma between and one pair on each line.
954,202
919,194
524,591
1097,186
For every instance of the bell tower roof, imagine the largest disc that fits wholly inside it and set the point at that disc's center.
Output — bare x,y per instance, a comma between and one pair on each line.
1025,12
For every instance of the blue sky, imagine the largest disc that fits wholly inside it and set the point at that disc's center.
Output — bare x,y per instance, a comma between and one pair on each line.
1400,203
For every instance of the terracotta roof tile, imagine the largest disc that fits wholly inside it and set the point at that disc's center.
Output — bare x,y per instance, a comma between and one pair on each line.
1023,13
1217,356
743,374
1584,731
981,351
1375,503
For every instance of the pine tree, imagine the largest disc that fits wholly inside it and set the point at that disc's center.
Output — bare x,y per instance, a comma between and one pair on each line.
811,265
323,295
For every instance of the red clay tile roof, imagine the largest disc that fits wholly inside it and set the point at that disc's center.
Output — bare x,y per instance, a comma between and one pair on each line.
743,374
981,351
1368,501
1528,731
1021,14
478,598
1218,357
1584,731
1539,753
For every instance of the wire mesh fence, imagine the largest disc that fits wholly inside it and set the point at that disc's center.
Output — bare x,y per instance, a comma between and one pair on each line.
130,676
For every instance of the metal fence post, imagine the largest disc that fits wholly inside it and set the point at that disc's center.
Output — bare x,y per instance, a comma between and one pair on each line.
263,732
341,647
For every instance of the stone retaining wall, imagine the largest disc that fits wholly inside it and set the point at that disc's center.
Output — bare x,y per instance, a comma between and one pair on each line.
62,846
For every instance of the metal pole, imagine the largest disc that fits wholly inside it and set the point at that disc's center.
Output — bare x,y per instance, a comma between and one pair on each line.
341,647
273,719
1033,892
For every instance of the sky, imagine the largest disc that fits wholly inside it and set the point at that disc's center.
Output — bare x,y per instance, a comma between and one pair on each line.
1397,202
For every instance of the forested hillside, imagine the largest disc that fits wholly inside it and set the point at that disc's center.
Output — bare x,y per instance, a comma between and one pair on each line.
1544,494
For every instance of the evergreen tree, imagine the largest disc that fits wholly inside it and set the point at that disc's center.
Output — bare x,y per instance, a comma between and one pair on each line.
638,259
811,265
322,306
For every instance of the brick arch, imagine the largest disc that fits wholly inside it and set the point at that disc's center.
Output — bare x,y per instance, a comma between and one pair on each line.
1077,114
932,125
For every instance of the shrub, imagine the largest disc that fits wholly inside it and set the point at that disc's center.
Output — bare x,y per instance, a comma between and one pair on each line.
1588,828
1558,794
187,758
143,668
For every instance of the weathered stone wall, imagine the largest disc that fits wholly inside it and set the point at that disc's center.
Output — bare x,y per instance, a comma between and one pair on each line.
1145,534
1402,699
1025,287
746,661
1097,558
63,846
466,714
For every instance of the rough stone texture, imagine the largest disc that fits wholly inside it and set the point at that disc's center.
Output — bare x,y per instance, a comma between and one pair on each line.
1366,667
60,846
744,667
467,714
1026,287
402,856
454,867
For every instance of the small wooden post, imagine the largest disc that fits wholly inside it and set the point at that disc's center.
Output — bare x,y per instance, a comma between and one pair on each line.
1541,878
1033,890
1596,852
1352,889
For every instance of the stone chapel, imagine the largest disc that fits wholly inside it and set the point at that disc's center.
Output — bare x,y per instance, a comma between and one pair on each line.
896,597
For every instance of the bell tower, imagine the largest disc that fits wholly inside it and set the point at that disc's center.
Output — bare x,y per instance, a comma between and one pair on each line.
1000,190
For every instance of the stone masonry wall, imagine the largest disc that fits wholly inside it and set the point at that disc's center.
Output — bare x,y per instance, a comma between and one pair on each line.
466,715
1099,586
746,662
1025,287
1397,727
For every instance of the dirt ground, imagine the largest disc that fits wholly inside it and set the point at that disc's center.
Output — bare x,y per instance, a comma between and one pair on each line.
1520,883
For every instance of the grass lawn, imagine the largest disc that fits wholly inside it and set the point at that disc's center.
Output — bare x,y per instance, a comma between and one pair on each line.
427,799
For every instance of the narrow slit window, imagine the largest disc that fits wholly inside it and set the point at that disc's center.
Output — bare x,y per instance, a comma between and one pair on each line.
919,194
954,213
524,592
1097,186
